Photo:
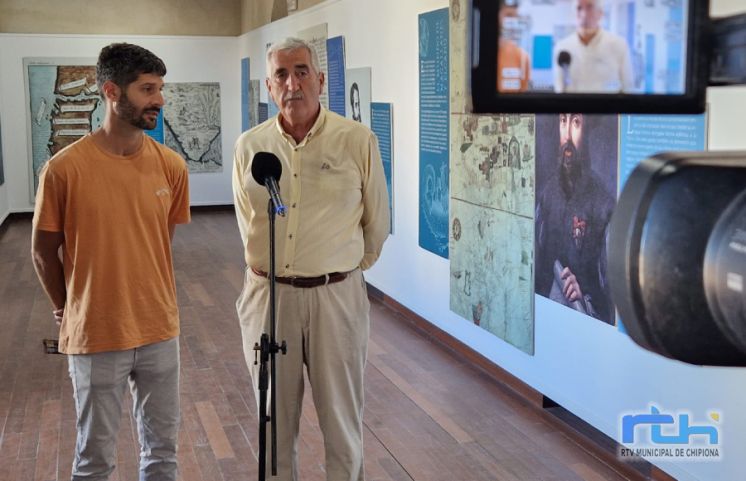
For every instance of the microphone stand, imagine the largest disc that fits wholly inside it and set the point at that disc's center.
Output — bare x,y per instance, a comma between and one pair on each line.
267,347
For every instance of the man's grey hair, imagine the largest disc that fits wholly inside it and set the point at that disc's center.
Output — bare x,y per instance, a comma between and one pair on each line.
292,43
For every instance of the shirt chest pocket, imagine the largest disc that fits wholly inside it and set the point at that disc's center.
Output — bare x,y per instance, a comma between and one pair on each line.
329,178
607,70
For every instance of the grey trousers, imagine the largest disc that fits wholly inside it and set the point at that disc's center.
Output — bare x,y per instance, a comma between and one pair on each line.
99,381
326,329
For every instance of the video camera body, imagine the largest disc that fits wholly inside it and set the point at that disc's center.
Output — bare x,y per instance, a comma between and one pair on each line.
677,256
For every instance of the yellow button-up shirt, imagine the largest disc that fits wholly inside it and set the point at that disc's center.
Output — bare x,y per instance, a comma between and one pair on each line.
334,187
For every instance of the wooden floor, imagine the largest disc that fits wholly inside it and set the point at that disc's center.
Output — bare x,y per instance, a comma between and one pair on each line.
428,416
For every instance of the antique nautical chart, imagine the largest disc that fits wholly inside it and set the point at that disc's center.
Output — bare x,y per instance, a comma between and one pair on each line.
192,124
491,191
63,106
491,224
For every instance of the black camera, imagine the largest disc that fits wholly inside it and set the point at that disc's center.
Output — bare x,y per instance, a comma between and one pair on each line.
677,256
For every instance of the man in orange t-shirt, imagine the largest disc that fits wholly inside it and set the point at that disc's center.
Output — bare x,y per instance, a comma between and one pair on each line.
111,200
513,65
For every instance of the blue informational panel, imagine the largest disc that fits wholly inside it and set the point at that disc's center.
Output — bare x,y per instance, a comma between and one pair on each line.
434,103
641,136
674,59
263,112
157,132
245,123
335,79
272,109
381,123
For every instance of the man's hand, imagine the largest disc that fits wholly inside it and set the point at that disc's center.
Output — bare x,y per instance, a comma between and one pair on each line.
58,313
571,288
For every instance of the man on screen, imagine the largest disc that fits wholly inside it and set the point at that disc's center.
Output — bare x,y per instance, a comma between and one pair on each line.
513,64
591,59
572,218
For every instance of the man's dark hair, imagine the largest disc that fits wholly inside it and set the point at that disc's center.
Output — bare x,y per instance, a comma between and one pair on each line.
122,63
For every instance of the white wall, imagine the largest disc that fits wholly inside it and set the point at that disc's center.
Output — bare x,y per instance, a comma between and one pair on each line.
727,103
4,208
188,59
587,366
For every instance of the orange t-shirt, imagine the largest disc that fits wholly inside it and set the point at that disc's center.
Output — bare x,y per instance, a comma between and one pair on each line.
114,212
513,69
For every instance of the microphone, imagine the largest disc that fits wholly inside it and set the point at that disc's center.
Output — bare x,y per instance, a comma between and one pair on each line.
563,60
266,170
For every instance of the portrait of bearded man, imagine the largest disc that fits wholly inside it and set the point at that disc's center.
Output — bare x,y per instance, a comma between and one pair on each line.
576,193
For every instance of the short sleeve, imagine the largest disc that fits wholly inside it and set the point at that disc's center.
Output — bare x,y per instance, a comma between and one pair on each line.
179,213
49,209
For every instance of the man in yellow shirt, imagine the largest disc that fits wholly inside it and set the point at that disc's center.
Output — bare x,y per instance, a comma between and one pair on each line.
111,201
593,59
334,186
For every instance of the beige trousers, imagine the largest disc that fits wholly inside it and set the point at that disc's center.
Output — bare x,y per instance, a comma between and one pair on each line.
326,329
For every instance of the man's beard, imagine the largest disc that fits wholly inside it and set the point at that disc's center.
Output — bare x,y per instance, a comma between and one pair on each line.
571,167
129,114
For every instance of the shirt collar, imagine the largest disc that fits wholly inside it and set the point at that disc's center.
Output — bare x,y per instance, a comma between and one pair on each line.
594,41
315,128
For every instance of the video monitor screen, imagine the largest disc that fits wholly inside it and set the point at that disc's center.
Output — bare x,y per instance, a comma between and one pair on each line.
610,55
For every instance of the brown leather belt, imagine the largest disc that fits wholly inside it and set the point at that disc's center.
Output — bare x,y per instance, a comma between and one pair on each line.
330,278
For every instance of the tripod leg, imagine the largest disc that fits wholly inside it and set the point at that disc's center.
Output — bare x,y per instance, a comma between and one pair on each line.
273,415
263,418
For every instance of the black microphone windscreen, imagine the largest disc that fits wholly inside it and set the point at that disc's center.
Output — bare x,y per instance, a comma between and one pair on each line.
264,165
563,59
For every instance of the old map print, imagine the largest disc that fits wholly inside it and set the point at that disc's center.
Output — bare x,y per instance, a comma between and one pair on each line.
491,272
494,161
491,188
191,124
64,105
491,223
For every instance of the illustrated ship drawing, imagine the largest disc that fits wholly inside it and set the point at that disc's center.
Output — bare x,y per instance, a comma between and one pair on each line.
40,112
